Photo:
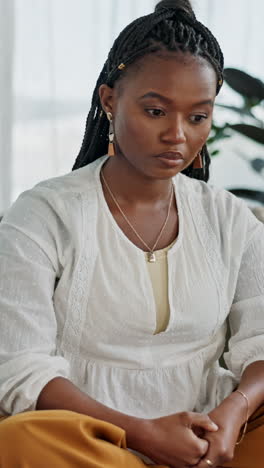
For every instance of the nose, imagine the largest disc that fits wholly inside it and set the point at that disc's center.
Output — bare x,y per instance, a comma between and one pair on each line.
174,133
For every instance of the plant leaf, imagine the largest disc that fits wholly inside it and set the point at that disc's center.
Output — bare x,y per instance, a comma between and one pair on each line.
250,87
257,164
250,131
256,195
239,110
215,153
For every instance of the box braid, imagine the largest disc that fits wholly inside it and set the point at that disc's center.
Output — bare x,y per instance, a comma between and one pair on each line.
172,27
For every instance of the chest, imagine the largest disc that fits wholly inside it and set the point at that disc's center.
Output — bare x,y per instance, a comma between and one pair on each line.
111,299
143,225
117,302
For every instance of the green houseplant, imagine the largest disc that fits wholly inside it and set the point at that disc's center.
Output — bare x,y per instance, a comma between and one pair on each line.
251,90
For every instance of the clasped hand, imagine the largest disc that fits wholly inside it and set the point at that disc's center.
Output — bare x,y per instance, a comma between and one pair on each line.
189,439
229,417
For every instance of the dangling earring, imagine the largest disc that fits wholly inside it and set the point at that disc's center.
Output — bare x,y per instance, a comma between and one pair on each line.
198,162
111,135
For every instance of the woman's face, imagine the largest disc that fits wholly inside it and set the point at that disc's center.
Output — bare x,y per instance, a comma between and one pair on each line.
162,113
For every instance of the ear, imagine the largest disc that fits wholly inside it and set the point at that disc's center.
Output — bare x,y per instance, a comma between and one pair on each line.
106,95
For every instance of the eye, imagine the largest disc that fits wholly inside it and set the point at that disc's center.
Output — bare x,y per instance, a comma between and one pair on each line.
198,118
155,112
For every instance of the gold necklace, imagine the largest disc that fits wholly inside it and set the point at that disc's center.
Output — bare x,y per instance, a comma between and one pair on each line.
151,254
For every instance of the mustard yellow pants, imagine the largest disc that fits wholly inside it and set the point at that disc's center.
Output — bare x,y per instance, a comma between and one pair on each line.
64,439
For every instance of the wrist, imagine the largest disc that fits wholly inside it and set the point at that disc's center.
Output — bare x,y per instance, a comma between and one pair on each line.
137,430
238,405
232,408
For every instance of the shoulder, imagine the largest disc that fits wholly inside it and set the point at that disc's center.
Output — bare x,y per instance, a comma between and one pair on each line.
63,193
55,208
208,197
204,192
80,181
223,210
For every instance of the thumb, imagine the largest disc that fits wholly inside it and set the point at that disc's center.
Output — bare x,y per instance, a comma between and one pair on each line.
204,421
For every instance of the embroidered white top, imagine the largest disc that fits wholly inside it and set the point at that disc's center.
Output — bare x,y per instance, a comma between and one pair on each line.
76,299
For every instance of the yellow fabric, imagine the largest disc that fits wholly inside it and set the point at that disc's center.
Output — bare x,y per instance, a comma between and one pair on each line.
54,439
158,273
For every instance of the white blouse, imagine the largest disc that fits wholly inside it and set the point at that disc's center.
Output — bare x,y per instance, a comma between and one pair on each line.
76,299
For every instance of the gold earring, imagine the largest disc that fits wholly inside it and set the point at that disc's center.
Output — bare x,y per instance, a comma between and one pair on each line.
198,162
111,135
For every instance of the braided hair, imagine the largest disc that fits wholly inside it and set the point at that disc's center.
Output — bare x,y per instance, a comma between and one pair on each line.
172,27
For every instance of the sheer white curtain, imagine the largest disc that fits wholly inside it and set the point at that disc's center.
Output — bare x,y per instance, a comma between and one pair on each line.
6,99
49,75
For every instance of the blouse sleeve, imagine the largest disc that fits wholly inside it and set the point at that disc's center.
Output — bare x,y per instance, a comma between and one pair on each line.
246,317
29,266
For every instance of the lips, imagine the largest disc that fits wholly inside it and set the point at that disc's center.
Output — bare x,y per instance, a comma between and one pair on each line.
171,155
171,159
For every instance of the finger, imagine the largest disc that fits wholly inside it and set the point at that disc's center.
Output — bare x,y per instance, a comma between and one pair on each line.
210,460
200,450
204,421
205,463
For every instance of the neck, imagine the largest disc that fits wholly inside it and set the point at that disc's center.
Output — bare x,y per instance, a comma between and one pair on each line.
133,186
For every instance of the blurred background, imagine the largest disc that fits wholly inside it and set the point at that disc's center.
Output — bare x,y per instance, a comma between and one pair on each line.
51,53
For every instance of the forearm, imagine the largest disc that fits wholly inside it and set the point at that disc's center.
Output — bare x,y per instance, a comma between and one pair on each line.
252,384
234,406
60,393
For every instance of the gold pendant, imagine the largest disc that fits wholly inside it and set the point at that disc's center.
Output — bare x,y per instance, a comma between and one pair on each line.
151,257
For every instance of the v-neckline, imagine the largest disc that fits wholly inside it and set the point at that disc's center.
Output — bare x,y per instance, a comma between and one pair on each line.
117,228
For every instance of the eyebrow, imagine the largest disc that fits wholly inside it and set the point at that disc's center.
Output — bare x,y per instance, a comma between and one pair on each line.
152,94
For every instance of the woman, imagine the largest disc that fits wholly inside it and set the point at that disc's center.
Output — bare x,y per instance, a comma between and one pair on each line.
117,279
